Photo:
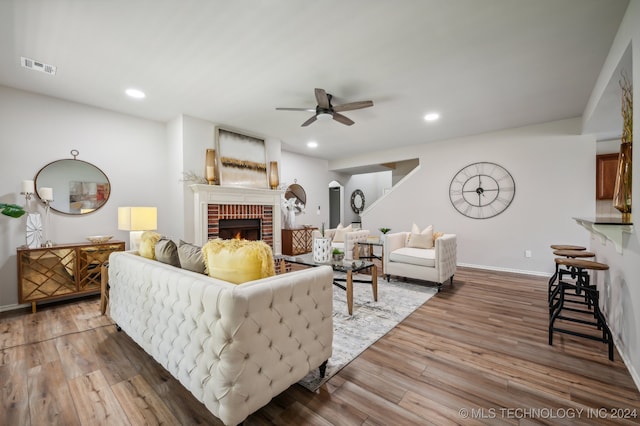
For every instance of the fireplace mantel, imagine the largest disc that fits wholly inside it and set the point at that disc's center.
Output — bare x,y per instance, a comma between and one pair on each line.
215,194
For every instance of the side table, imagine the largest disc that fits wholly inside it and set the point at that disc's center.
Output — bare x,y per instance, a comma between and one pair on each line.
369,253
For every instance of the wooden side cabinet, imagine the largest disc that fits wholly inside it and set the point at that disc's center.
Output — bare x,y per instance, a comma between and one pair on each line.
606,167
297,241
61,271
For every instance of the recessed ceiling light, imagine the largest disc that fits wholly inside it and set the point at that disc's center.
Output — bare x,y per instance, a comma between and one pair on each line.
312,144
135,93
432,116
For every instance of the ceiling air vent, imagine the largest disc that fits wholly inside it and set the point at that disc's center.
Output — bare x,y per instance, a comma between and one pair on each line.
37,66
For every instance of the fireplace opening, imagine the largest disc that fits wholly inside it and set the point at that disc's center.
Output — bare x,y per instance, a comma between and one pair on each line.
246,229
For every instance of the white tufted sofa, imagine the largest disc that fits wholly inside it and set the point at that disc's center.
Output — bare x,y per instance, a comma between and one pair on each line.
234,347
436,264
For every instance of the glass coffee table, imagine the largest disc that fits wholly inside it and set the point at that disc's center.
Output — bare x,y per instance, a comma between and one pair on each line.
345,266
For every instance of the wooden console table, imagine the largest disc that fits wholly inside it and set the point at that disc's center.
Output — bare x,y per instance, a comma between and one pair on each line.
62,271
297,241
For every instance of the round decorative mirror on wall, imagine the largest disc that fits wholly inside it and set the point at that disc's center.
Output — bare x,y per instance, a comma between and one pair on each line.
77,187
298,195
357,201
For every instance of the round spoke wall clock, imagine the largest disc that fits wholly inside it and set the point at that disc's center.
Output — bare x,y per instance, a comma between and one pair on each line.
482,190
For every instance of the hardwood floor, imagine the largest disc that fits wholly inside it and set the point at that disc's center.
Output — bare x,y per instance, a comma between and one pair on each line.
476,353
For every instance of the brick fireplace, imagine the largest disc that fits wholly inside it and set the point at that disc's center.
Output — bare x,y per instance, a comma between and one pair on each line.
213,204
251,222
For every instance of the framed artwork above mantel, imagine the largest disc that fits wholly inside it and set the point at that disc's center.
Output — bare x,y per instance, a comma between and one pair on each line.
241,159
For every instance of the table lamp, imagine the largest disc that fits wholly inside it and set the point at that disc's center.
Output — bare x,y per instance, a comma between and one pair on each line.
136,220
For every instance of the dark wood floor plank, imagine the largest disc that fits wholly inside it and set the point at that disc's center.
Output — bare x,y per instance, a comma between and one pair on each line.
95,402
50,400
141,404
14,402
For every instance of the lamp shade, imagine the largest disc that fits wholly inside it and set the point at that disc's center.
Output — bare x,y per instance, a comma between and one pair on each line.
137,218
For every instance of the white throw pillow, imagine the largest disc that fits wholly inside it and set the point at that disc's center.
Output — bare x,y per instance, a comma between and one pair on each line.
421,239
341,231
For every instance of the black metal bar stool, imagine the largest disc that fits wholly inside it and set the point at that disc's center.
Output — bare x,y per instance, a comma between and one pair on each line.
566,253
561,302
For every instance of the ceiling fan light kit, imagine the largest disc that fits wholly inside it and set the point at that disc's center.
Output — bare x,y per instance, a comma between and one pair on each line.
326,111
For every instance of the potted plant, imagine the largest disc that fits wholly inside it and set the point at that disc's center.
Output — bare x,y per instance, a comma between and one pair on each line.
338,255
384,232
11,210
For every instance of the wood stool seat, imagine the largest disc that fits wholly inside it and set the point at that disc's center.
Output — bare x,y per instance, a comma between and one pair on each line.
581,263
574,253
566,247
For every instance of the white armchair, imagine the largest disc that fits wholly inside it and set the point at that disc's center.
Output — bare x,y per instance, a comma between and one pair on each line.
351,237
436,264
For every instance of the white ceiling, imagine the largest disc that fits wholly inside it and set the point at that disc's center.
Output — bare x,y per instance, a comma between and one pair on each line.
482,64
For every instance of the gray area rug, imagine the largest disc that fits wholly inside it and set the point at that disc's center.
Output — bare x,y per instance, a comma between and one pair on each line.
369,322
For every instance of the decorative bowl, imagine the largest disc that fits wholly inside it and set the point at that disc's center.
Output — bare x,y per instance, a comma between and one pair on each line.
99,238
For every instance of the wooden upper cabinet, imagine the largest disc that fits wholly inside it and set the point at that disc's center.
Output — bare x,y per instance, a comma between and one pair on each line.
606,165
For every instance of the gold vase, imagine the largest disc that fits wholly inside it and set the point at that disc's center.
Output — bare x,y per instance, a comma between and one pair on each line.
274,178
210,166
622,190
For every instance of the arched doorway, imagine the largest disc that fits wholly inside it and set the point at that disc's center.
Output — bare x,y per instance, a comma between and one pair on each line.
336,204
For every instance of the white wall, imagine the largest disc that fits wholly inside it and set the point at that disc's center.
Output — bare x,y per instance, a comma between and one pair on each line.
35,130
372,186
553,168
620,286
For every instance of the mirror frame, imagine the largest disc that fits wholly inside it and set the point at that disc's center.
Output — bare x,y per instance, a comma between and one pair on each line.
297,191
57,208
360,206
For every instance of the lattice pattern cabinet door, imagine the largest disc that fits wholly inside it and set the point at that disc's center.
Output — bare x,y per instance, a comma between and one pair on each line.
297,241
49,273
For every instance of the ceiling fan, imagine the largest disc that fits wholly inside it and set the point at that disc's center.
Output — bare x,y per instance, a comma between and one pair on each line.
325,111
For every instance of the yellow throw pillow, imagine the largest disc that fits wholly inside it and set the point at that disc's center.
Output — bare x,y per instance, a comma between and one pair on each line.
238,261
148,243
341,231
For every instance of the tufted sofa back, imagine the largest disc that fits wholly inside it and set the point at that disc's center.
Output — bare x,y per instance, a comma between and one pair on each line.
234,347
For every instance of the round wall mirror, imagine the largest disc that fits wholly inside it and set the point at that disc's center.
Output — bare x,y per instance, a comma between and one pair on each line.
357,201
78,187
298,194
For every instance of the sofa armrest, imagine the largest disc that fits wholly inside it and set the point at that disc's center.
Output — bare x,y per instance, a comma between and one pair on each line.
350,240
393,242
446,256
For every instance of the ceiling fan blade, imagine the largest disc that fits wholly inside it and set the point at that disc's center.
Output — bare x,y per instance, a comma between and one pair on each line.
309,121
342,119
297,109
323,99
353,105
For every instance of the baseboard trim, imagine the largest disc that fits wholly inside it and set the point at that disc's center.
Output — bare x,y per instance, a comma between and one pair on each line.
627,362
499,269
14,307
